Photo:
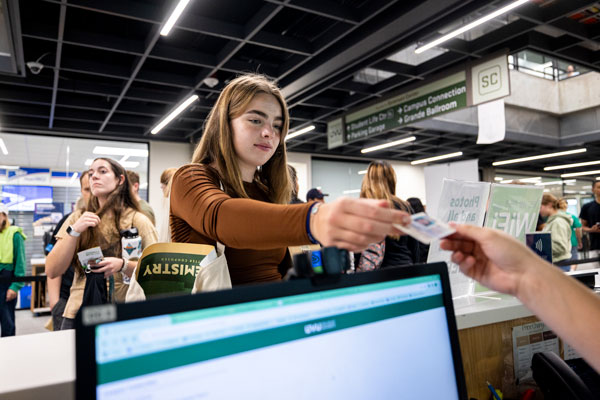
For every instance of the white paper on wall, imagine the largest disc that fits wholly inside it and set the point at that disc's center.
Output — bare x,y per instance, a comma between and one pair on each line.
492,122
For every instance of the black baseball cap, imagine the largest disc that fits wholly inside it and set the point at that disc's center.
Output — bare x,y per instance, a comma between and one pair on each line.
315,193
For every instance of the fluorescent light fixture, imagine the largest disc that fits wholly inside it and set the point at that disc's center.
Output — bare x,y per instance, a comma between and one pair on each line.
174,17
531,180
565,166
506,181
364,171
174,113
567,182
436,158
120,151
539,157
572,174
73,177
470,26
351,191
390,144
125,164
498,178
3,147
9,167
299,132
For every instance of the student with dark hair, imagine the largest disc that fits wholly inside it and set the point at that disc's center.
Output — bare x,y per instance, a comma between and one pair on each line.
237,189
111,208
12,263
590,217
134,179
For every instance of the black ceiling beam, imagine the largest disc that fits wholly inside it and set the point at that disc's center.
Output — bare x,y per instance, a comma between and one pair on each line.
151,40
105,42
193,23
407,15
397,68
350,86
555,11
292,69
323,8
251,28
160,51
61,32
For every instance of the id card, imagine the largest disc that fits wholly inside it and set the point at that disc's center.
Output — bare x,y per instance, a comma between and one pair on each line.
425,228
89,255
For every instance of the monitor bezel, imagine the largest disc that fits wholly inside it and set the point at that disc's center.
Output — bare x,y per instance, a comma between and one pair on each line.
85,358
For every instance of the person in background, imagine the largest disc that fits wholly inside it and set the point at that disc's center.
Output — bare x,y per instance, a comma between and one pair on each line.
110,209
501,263
59,288
576,243
162,226
295,186
315,194
417,206
590,218
559,225
134,178
237,189
380,183
165,180
12,263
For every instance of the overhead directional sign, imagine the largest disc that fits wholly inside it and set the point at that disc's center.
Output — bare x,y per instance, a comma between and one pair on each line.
443,95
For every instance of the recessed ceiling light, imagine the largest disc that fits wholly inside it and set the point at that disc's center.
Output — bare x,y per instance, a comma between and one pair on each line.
569,175
174,17
178,110
539,157
299,132
565,166
470,26
436,158
390,144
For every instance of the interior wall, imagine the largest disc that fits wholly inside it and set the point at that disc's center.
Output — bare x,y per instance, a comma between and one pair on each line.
164,155
410,181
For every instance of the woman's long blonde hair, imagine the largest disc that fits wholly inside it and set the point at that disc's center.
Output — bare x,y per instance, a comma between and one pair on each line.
380,183
216,145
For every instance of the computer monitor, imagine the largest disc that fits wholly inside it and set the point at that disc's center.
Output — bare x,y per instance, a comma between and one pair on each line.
377,335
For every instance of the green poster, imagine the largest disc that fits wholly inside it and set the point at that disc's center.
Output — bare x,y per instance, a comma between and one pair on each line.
514,209
170,267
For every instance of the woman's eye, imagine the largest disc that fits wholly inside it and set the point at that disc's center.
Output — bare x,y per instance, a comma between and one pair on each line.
255,121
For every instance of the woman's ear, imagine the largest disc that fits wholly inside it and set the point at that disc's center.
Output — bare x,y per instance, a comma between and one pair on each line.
121,179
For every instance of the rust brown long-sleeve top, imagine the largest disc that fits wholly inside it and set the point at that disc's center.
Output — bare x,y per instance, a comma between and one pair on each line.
256,233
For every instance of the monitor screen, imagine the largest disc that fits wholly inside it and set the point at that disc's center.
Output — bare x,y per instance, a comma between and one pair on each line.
24,198
379,340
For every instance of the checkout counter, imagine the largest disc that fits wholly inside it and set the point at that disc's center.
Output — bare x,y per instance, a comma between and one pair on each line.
43,365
